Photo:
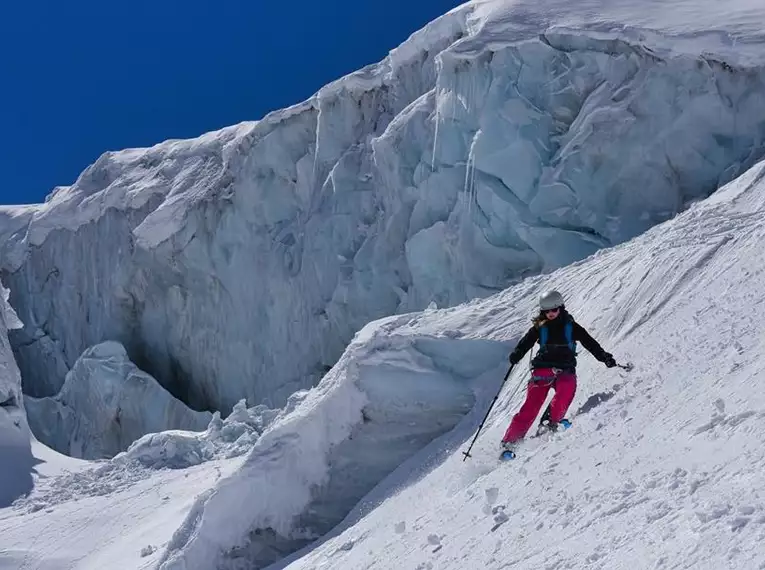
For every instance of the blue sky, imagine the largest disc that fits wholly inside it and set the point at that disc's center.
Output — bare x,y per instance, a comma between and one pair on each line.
79,78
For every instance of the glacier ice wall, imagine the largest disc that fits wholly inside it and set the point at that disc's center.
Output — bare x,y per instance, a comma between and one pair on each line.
106,404
239,265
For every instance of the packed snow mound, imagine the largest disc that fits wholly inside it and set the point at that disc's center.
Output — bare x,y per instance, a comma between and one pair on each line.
16,461
383,402
498,142
106,404
664,466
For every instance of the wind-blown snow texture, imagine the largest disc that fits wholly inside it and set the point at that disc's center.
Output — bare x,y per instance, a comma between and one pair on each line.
106,404
496,143
664,467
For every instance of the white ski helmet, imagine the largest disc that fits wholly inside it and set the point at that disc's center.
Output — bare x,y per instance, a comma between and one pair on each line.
550,300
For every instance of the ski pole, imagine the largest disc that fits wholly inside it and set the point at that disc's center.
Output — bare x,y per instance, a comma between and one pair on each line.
494,401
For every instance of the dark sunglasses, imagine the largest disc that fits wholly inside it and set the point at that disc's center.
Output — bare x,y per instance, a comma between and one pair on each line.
555,310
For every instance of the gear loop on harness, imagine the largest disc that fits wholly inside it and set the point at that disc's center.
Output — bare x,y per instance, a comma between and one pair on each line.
549,379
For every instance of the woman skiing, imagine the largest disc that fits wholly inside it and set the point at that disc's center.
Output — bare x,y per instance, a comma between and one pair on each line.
554,366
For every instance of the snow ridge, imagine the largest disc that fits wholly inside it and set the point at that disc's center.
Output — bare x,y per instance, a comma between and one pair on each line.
381,404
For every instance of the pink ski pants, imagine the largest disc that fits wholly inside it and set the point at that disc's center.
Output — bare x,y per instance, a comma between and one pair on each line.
542,380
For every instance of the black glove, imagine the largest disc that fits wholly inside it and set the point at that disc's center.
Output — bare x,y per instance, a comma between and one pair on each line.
608,360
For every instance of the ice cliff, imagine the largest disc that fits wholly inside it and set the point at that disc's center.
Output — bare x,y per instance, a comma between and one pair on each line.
494,144
504,140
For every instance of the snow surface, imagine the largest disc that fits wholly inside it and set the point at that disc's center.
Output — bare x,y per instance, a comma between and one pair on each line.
503,140
113,519
733,29
106,404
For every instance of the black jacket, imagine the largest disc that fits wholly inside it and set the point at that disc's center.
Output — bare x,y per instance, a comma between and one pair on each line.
556,353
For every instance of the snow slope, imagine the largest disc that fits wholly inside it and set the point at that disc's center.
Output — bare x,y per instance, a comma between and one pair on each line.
663,469
503,140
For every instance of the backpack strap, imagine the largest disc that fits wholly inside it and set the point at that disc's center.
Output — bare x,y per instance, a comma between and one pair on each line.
569,332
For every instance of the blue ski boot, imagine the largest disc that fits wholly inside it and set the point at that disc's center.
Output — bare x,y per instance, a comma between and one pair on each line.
506,451
547,426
